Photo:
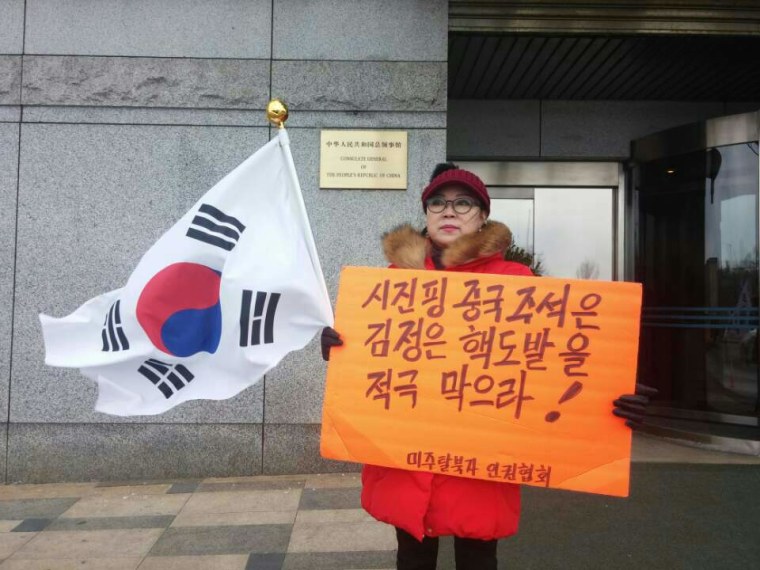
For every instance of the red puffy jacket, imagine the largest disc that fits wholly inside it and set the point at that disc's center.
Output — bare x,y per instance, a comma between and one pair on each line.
428,504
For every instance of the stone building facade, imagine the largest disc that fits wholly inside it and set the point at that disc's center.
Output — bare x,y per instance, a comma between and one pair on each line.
115,116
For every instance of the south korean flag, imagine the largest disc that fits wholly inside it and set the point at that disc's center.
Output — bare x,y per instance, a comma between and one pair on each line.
217,301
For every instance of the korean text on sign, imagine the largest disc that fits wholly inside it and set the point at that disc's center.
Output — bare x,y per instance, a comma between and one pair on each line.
484,376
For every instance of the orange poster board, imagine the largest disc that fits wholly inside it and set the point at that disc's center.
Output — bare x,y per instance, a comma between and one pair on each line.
493,377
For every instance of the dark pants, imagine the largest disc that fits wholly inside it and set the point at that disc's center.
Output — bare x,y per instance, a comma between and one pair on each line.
470,554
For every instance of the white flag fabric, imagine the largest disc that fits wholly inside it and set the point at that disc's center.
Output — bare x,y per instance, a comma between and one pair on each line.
217,301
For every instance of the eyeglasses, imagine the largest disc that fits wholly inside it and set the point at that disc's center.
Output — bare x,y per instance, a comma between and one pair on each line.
437,204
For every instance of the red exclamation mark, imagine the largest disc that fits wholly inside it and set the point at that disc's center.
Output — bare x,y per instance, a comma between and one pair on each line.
574,389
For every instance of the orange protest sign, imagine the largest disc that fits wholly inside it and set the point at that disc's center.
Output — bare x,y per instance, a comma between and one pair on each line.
493,377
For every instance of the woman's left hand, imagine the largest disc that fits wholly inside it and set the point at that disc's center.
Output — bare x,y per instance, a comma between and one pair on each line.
632,407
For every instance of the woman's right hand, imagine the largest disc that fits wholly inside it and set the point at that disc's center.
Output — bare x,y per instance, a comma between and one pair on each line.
329,338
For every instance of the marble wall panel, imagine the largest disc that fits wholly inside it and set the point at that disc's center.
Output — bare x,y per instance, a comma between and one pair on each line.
392,30
8,186
361,85
145,82
10,79
11,26
93,199
294,448
53,453
170,28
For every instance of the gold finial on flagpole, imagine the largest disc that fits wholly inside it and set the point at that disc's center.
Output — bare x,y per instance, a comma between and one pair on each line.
277,113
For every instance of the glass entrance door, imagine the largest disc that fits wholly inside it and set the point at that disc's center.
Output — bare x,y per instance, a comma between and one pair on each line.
570,231
697,258
566,214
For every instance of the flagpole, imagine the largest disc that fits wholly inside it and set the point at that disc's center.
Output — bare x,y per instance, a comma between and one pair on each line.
277,113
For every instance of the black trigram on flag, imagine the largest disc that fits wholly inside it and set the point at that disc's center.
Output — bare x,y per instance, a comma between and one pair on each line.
214,227
112,334
169,378
263,313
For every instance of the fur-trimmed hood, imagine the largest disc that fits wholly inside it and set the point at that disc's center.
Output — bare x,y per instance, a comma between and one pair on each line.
406,248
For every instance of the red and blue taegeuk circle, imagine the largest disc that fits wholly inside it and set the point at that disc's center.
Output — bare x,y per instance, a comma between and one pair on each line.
180,311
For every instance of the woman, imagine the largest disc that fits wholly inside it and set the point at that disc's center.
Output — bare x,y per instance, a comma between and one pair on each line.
422,505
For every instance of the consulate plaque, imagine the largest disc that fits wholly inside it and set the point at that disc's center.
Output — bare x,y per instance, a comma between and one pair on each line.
363,159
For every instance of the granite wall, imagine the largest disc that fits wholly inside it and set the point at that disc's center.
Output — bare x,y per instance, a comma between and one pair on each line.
114,117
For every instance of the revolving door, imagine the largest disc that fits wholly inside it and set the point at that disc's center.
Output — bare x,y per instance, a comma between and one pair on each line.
694,193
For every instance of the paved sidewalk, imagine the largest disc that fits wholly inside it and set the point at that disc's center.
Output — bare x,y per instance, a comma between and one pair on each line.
679,515
221,524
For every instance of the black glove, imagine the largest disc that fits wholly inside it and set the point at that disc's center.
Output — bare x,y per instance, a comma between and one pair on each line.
632,407
329,338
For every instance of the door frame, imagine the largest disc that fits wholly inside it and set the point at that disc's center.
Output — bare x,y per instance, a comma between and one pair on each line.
563,174
702,135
